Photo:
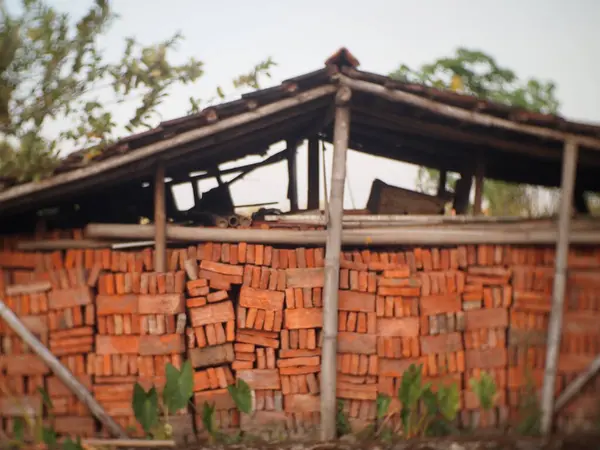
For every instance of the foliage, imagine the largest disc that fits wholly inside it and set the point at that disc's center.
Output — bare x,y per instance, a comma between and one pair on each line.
145,407
476,73
242,396
176,395
26,426
423,412
529,410
52,68
342,424
485,389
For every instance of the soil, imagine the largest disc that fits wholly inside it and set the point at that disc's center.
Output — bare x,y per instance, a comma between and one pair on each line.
581,442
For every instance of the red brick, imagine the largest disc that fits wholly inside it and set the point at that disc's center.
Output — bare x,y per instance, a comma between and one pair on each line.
356,301
212,313
395,367
485,359
404,327
303,318
261,378
225,269
262,338
357,343
68,298
262,299
486,318
305,278
161,304
301,403
211,356
438,304
442,343
220,398
161,345
116,345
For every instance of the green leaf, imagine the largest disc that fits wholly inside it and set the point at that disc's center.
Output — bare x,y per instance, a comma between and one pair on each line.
19,429
208,418
178,389
485,389
69,444
448,400
49,436
383,405
242,395
145,407
45,398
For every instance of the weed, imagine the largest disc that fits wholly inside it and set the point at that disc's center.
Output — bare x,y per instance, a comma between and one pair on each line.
485,389
341,420
530,412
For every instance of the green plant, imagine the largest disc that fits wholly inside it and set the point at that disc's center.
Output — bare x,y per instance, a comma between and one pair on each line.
242,396
341,420
485,389
176,395
530,412
26,426
425,412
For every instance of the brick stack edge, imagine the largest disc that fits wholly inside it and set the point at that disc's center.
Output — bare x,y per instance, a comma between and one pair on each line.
254,312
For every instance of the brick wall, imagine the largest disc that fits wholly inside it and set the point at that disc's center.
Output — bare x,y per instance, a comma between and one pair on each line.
255,312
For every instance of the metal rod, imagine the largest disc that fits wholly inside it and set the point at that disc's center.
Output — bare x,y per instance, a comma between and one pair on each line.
333,248
160,220
569,167
60,371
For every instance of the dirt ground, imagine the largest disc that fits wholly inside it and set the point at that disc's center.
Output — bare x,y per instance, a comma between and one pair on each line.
584,442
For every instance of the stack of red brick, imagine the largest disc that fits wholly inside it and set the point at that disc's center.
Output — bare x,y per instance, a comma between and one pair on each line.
254,312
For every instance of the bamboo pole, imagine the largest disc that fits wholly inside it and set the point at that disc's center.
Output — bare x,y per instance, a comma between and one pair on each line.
60,371
160,220
132,443
358,237
569,167
341,135
577,384
454,112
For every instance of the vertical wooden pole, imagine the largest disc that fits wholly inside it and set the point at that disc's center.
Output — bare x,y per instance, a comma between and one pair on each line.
569,166
160,220
479,173
313,174
442,183
341,135
292,150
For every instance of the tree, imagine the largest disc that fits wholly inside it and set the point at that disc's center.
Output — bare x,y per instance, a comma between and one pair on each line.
52,68
476,73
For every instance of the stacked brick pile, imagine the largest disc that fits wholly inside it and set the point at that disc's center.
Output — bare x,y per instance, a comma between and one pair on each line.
254,312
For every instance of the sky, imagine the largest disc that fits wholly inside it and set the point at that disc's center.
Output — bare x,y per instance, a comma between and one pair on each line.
547,39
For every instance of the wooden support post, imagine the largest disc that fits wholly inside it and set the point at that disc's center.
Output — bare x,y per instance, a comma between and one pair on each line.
313,174
569,166
333,247
160,220
60,371
292,150
441,190
479,173
575,386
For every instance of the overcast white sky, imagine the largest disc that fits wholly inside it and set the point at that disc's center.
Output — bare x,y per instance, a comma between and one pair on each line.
551,39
